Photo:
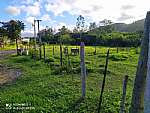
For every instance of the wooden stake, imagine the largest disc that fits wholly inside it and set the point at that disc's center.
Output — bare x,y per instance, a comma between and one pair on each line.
53,49
61,55
103,84
122,106
95,50
40,51
117,49
44,52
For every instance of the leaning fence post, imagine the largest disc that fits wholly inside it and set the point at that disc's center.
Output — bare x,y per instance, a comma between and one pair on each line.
122,106
83,70
103,84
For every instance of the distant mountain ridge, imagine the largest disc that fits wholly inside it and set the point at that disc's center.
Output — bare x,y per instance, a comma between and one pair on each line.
133,27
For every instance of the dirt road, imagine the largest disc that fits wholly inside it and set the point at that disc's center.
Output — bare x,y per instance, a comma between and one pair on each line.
7,74
7,52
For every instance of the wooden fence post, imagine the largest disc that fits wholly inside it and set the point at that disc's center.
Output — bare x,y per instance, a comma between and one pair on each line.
40,51
117,49
95,50
136,50
61,55
83,70
137,104
103,84
44,52
122,106
147,89
53,50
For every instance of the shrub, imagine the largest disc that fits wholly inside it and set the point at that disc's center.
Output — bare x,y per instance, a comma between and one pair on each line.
118,57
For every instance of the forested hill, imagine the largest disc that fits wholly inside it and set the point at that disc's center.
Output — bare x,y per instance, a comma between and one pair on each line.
133,27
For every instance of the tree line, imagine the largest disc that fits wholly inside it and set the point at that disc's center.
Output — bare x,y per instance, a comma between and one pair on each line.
103,34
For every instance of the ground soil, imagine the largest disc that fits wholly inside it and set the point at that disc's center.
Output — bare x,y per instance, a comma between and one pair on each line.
7,74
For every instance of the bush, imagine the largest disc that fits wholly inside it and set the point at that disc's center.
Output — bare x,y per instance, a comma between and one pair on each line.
32,53
118,57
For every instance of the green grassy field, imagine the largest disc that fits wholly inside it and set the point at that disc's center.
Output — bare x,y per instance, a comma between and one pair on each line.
43,87
8,47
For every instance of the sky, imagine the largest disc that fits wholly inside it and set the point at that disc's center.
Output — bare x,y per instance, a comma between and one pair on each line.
58,13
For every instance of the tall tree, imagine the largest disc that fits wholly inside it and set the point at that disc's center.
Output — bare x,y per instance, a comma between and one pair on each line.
47,35
63,30
80,25
92,26
75,30
14,28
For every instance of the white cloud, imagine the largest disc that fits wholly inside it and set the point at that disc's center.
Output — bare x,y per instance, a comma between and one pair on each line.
125,17
61,24
30,20
12,10
98,10
32,10
58,7
27,2
45,17
26,33
127,7
93,10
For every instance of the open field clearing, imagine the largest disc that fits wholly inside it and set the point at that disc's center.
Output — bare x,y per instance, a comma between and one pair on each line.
47,88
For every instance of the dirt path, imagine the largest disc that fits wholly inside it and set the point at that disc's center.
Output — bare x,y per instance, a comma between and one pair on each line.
7,74
7,52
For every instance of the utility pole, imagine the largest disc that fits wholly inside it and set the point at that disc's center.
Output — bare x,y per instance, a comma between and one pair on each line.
38,21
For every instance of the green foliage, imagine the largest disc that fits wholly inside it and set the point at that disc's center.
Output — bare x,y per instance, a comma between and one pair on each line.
63,30
13,28
34,53
66,39
47,35
120,39
118,57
